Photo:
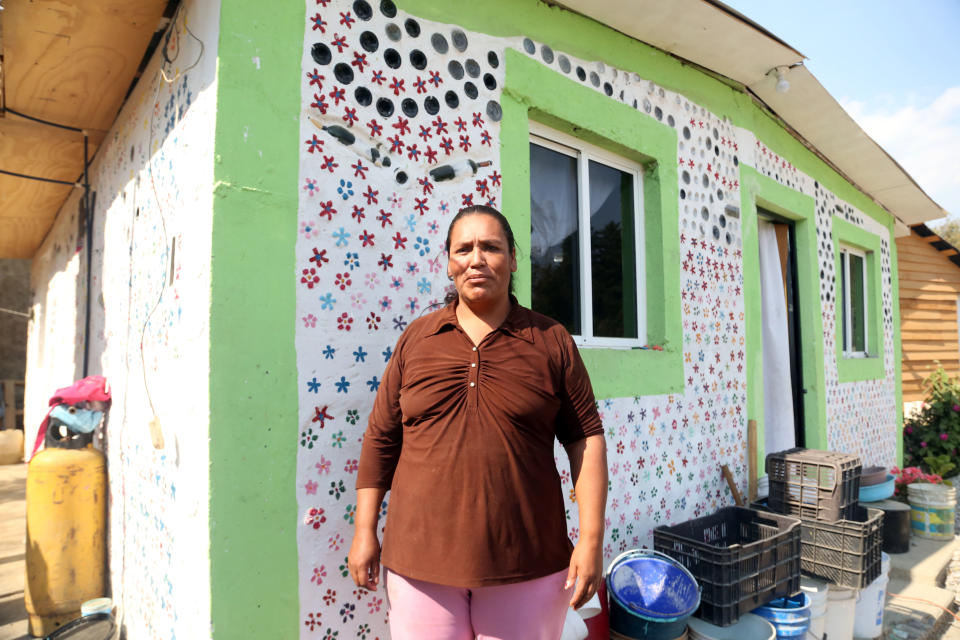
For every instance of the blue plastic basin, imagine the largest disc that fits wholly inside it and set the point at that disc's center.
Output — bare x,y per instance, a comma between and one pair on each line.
876,492
790,617
651,595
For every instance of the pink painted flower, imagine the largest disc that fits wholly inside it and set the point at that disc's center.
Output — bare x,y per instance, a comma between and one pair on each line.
309,229
309,321
310,186
323,466
311,487
319,573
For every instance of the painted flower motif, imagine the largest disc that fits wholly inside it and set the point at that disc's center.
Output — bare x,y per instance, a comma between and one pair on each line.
307,438
334,543
310,487
413,268
309,321
323,466
312,621
385,303
310,186
372,280
319,573
309,229
422,245
314,517
358,300
345,189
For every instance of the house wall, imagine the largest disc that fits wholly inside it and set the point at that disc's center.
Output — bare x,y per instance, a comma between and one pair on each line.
929,290
375,247
152,184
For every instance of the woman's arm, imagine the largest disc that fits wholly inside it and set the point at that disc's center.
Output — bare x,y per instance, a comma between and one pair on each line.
364,557
588,466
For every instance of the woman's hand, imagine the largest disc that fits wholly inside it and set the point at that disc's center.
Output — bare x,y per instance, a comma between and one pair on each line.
364,559
586,569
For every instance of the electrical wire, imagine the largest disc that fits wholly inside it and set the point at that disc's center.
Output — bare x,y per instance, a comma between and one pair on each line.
166,43
932,604
15,313
23,175
42,121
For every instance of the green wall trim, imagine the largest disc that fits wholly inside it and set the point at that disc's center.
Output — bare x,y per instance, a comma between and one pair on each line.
253,374
870,368
532,91
757,190
584,37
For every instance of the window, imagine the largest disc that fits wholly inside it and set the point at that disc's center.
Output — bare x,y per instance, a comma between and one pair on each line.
853,291
586,240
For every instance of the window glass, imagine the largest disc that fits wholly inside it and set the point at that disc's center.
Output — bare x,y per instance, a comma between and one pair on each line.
857,306
555,237
613,259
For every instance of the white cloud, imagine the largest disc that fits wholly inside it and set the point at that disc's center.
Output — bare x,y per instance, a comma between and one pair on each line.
924,139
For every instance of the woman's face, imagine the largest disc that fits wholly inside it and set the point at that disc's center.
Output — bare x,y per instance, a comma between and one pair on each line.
480,262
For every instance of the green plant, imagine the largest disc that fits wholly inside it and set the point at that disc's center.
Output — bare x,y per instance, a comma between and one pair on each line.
931,437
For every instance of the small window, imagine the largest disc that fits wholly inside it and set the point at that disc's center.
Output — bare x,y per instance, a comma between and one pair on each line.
853,288
586,239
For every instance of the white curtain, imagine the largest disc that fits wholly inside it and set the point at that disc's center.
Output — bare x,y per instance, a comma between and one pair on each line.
777,388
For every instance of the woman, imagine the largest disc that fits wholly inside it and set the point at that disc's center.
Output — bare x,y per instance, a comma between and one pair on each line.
462,433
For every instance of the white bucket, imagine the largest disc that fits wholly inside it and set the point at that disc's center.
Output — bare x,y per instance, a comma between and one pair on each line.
868,620
932,510
763,487
841,609
817,591
749,626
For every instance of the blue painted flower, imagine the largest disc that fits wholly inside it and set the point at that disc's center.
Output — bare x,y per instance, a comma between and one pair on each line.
423,286
313,386
341,237
345,189
422,245
373,383
327,301
328,352
386,353
359,355
352,260
411,222
343,386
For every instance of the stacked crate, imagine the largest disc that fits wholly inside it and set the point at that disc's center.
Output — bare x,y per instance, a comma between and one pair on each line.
841,541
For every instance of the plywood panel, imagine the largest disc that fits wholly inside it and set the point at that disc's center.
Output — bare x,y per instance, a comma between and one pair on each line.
72,61
21,237
927,305
935,273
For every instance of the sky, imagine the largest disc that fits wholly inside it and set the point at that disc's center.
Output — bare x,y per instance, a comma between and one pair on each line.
895,68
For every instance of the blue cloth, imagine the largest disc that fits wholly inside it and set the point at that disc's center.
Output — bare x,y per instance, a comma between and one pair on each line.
77,420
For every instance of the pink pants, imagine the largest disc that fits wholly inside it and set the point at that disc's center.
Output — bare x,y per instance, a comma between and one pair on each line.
530,610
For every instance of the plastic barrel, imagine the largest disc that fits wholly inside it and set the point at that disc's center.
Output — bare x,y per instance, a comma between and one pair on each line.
932,510
789,616
651,596
896,525
868,620
749,627
817,591
841,609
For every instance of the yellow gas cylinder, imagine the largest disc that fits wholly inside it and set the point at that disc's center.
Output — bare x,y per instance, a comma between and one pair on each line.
66,535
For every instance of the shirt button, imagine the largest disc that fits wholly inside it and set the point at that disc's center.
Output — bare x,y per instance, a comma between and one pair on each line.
474,348
473,384
473,364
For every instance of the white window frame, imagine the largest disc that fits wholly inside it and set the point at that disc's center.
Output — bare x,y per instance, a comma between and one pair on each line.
847,304
583,152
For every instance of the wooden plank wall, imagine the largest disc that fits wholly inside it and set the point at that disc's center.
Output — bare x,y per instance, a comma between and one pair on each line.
929,287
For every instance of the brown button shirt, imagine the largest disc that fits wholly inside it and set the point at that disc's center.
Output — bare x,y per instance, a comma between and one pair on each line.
463,437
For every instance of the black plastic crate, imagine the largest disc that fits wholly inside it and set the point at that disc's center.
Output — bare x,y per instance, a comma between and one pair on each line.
813,484
846,553
742,558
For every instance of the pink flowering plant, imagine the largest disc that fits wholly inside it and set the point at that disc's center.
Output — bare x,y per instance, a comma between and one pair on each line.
931,437
910,475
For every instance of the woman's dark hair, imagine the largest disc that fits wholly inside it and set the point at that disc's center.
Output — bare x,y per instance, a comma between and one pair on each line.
478,209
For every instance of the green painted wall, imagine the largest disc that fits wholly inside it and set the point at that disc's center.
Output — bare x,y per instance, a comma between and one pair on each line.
253,377
532,91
